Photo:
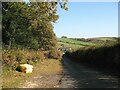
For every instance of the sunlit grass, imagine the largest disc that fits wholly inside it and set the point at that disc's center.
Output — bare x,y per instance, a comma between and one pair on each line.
74,42
14,79
70,45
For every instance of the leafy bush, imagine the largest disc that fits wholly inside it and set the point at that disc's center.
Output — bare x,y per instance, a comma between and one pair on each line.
103,55
12,58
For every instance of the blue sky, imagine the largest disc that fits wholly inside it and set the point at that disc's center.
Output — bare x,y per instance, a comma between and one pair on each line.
88,19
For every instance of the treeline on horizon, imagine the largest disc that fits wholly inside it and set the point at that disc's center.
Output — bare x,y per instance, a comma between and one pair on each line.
97,39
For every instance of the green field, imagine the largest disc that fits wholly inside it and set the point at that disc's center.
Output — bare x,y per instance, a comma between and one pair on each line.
76,43
70,42
69,45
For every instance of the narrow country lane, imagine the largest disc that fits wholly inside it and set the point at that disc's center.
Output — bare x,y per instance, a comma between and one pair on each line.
79,76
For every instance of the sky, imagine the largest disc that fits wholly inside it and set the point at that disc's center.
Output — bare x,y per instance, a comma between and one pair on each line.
88,19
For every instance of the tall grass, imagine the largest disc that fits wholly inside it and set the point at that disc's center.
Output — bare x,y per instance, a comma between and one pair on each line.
11,58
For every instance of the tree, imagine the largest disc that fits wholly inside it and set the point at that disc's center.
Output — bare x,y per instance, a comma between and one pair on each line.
30,24
64,37
14,22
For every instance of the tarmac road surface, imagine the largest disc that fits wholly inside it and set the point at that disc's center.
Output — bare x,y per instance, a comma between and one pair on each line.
80,76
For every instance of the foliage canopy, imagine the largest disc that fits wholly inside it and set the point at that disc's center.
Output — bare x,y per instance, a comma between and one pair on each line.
30,25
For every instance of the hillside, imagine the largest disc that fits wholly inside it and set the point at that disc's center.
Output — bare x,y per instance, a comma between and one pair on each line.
76,43
73,43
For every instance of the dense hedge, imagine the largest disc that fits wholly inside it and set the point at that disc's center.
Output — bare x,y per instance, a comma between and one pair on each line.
106,54
11,58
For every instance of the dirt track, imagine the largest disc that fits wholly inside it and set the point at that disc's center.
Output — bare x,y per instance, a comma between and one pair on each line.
79,76
74,76
48,80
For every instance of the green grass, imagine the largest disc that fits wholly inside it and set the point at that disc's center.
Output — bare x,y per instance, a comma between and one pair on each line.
75,44
70,45
14,79
12,58
11,79
72,41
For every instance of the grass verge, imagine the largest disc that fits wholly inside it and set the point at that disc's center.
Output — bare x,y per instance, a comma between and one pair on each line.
14,79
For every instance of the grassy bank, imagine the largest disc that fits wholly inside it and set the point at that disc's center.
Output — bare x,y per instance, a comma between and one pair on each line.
14,79
42,61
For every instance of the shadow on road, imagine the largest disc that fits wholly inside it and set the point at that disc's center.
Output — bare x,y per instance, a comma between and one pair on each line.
81,76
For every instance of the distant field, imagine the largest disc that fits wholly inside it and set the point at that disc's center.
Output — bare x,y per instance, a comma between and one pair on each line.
69,42
72,41
82,42
69,45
